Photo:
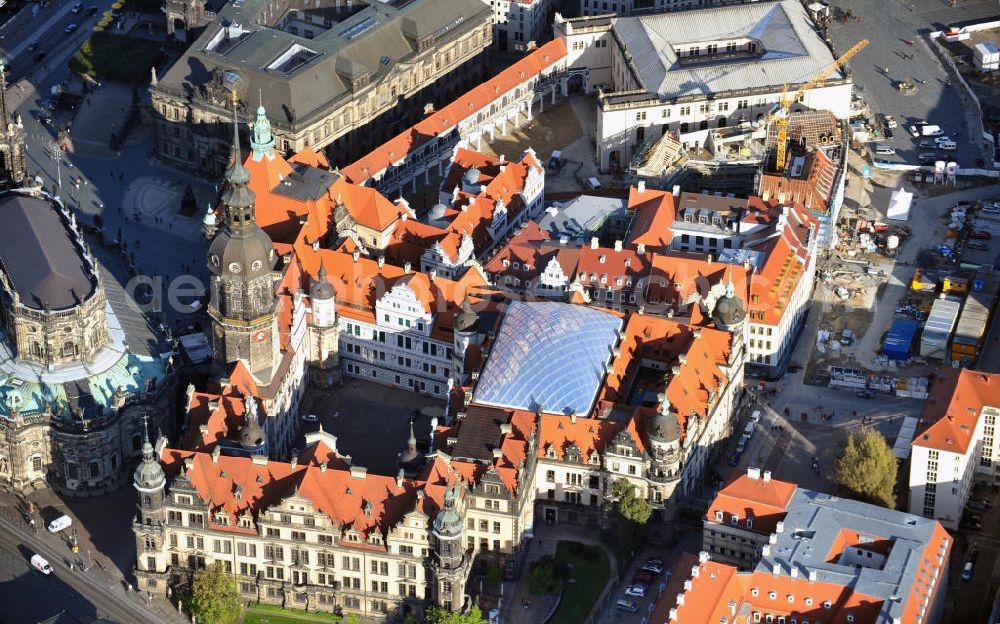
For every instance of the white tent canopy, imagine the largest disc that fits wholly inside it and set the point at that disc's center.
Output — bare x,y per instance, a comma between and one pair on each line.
904,440
899,205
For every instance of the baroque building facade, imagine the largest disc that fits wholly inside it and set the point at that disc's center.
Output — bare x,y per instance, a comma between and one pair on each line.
347,76
75,384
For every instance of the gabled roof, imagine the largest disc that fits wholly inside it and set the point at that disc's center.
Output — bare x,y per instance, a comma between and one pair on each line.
234,485
764,502
370,208
654,214
443,121
953,408
787,261
590,435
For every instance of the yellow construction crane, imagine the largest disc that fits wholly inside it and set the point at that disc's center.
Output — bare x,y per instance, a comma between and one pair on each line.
780,114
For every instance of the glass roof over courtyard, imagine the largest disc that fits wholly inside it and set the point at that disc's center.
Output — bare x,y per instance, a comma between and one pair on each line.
549,355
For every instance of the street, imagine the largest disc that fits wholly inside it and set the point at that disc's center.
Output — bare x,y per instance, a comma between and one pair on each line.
29,596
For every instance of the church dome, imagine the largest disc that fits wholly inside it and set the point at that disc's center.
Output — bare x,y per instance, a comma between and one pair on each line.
321,288
246,253
471,176
448,522
437,211
664,427
148,474
729,312
466,320
251,435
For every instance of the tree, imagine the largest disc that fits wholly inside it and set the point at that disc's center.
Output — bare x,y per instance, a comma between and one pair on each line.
633,512
867,468
214,597
437,615
542,577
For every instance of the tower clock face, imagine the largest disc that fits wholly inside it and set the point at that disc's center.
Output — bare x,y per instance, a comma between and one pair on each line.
255,266
260,336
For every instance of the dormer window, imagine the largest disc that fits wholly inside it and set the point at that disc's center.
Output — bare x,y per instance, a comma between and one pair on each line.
735,519
720,515
601,259
628,261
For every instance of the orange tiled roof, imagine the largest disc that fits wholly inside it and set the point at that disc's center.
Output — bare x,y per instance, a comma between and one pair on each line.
443,121
952,411
237,485
787,260
655,212
719,590
588,434
764,502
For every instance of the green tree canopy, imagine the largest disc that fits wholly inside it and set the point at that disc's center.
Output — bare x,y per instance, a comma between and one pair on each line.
866,468
633,513
214,597
437,615
542,577
623,500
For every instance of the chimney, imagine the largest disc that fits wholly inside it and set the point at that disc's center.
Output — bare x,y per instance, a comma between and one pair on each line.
315,245
594,243
322,467
776,570
359,472
753,473
399,478
407,267
572,418
259,460
357,254
672,614
641,187
618,245
794,572
640,249
703,556
677,190
695,571
767,476
680,597
812,576
294,463
501,158
708,259
432,274
381,261
765,550
780,527
215,455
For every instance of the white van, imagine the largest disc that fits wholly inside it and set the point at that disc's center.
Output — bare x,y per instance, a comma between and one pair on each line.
884,150
39,563
931,130
60,524
748,431
755,417
593,184
948,145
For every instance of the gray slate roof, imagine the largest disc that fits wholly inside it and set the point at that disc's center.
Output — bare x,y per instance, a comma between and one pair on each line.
38,253
794,52
812,526
370,47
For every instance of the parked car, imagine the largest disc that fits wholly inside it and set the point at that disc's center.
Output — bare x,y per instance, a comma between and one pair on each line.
655,561
889,133
928,157
91,11
972,525
885,150
754,417
990,209
975,244
70,29
636,591
967,571
642,577
980,235
914,130
928,144
77,7
984,501
867,394
652,568
627,605
310,417
977,505
60,524
942,139
890,121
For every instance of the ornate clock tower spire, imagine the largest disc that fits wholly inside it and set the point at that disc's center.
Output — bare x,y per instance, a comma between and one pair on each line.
242,301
